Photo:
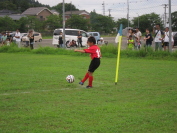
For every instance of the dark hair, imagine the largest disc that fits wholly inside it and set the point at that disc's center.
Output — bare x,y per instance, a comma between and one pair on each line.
130,36
158,25
148,29
92,39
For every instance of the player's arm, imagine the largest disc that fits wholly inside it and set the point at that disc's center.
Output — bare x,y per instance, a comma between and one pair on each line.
81,51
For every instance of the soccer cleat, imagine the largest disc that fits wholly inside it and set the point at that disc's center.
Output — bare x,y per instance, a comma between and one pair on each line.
88,86
81,83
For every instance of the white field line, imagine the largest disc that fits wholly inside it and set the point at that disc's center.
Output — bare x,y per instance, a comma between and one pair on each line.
17,93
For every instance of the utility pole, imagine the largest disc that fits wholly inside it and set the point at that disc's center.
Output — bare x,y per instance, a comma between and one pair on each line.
170,29
63,23
109,12
71,9
103,8
165,15
138,21
128,12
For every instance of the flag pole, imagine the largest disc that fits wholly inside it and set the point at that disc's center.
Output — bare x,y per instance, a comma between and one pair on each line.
118,54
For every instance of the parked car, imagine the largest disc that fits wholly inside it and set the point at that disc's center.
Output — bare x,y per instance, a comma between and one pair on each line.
37,37
96,35
175,39
22,35
70,34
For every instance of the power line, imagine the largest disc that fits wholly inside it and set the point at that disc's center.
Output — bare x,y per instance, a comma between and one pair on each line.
103,8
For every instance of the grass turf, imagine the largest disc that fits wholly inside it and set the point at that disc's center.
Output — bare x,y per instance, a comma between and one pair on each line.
35,96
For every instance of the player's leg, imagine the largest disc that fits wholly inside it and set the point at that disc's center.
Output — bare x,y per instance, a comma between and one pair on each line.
95,63
90,79
84,79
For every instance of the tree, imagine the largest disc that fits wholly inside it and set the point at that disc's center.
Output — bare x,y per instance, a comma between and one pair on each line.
147,21
7,24
68,7
174,21
122,21
19,5
78,22
101,23
53,22
8,5
23,24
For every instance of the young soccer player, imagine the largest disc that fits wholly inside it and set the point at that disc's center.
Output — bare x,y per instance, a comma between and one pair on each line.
95,55
131,42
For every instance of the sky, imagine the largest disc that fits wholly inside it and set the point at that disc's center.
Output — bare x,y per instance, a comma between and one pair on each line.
118,8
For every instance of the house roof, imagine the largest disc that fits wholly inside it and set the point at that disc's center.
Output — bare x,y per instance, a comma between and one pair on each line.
35,10
77,12
6,12
14,16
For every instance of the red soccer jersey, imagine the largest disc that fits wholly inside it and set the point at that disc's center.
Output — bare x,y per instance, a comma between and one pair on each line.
94,51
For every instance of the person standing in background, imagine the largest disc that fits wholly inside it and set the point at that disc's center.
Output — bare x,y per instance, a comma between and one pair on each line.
79,39
148,39
17,38
138,39
60,40
166,39
158,37
4,38
31,39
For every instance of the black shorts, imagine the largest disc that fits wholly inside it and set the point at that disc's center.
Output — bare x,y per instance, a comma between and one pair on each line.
94,64
166,43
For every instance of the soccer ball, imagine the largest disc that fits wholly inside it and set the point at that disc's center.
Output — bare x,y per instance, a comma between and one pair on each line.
70,78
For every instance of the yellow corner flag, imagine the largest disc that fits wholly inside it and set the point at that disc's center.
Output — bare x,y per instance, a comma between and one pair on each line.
119,41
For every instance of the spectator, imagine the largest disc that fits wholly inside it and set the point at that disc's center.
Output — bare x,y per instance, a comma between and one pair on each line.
158,37
31,39
17,38
4,38
0,38
131,42
101,42
166,38
79,39
148,39
72,43
60,41
9,38
138,35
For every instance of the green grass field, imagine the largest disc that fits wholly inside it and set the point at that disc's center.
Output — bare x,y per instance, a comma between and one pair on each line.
35,97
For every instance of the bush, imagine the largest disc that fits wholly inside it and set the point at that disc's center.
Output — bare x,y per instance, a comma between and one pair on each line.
107,51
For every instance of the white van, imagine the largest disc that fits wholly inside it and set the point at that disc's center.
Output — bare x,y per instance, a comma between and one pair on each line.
70,34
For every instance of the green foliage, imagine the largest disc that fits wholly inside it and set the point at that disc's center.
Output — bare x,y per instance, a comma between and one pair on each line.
68,7
101,23
109,51
7,24
20,5
122,21
147,21
34,23
53,22
78,22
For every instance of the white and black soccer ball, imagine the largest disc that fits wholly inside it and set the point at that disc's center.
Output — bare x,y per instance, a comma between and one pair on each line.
70,78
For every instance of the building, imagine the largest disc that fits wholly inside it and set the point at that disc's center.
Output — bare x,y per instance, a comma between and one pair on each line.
14,17
54,12
40,12
12,14
7,12
84,13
